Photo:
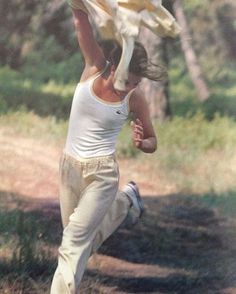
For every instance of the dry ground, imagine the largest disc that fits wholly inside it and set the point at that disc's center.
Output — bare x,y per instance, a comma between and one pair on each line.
180,246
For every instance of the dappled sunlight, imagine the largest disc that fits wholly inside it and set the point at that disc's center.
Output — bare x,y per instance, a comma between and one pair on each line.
183,242
186,244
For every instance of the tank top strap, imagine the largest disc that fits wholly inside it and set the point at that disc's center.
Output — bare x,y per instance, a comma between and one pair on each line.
127,99
98,74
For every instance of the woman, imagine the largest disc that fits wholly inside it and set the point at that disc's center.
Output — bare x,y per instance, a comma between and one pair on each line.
91,206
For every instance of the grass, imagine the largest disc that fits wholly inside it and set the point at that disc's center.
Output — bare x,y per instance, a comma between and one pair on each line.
196,154
29,240
30,125
45,99
28,243
188,155
224,203
193,152
182,233
49,90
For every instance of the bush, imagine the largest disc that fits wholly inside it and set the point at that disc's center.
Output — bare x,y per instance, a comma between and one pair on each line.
39,67
29,124
184,101
43,99
194,155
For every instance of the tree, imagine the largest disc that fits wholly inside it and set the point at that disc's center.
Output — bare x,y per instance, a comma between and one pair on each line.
25,26
15,17
157,92
194,68
226,15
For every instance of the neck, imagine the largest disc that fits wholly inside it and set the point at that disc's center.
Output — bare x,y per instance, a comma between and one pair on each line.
104,87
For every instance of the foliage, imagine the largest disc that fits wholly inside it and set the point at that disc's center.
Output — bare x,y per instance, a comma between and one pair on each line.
195,155
188,147
49,89
42,70
183,98
37,39
40,66
125,148
26,244
45,99
194,152
28,124
213,30
198,134
47,63
26,25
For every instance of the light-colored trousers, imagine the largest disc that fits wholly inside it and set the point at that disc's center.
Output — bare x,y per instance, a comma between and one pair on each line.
91,209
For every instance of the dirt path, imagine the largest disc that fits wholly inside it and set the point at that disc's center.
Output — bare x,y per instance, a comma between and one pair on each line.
179,247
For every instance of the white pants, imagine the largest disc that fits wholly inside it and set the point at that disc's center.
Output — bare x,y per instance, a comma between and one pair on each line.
92,209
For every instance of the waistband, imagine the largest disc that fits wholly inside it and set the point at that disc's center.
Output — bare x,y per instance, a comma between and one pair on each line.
91,160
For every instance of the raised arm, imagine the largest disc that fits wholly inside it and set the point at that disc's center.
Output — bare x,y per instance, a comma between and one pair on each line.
144,136
92,53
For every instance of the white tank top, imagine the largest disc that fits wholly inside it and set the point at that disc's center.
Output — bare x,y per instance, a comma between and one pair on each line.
94,123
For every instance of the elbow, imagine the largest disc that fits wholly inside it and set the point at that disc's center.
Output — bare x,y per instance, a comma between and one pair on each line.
154,147
150,145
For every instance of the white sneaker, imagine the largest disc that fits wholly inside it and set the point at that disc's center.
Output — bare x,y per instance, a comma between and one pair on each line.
132,191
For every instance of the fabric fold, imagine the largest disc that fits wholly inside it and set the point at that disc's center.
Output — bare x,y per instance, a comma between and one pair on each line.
121,20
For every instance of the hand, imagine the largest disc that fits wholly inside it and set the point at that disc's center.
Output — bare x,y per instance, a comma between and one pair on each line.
137,128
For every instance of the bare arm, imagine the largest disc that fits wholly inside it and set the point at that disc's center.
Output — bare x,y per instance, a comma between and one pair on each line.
144,136
92,53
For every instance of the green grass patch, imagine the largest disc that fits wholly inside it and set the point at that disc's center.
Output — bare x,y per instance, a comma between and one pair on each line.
47,89
30,125
44,99
194,152
225,203
197,134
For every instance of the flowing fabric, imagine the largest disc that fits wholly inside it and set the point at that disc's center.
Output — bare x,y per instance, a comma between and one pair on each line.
121,20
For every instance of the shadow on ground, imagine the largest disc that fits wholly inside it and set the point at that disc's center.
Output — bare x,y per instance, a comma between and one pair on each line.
193,241
180,233
30,230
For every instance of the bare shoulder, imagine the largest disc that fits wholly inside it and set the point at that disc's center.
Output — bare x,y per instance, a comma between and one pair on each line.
90,71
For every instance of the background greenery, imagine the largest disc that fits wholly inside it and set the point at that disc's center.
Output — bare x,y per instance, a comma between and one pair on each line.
40,64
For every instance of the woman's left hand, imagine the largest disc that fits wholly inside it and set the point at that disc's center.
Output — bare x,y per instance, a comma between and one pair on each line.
137,128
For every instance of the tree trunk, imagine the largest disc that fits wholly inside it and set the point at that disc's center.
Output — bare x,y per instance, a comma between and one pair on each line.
157,93
189,53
